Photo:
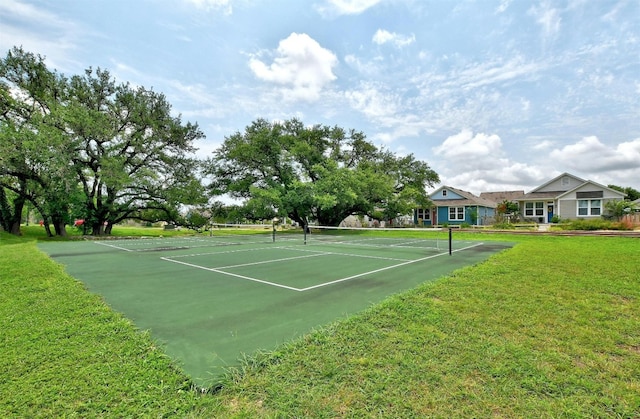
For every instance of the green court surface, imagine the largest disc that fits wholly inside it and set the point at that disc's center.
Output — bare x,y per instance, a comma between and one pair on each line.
210,299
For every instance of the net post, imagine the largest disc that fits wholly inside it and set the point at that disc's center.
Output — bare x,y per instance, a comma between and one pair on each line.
450,240
273,230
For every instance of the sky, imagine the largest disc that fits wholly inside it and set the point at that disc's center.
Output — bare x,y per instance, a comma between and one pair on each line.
494,95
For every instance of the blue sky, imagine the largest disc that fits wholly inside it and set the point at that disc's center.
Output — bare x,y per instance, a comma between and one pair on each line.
492,94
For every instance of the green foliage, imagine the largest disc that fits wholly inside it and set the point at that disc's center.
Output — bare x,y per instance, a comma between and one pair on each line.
594,224
316,173
504,226
617,209
86,147
507,207
631,193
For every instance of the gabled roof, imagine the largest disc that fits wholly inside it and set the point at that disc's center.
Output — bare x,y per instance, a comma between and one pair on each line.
468,199
502,196
581,181
542,195
622,194
535,194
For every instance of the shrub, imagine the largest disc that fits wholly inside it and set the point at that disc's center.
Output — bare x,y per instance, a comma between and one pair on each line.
504,226
595,224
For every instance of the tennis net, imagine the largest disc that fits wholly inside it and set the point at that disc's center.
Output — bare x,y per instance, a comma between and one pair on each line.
242,233
378,237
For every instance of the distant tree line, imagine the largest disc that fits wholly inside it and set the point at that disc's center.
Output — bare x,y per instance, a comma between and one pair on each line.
631,194
86,147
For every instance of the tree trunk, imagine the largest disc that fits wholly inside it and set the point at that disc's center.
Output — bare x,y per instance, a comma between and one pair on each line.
60,227
300,220
97,229
5,211
47,226
14,228
16,217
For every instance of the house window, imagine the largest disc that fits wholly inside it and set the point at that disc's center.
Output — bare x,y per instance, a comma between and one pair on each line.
587,207
456,213
444,192
533,209
423,214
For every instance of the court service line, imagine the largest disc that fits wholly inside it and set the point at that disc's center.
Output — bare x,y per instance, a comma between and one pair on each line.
248,278
348,254
272,261
115,247
383,269
253,249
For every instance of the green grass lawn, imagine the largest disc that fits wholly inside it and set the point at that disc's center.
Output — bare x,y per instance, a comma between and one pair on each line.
550,328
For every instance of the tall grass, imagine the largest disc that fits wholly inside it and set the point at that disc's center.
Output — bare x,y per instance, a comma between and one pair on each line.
550,328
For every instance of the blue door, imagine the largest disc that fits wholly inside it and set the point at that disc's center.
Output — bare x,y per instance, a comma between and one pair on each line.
549,213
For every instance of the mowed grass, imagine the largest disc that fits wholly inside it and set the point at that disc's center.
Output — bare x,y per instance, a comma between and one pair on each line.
550,328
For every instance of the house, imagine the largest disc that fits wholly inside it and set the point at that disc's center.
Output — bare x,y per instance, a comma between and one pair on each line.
567,197
453,206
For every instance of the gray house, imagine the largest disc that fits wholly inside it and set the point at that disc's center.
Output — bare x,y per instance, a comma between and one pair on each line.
567,197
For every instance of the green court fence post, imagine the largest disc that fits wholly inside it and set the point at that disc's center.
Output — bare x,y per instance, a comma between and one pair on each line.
450,240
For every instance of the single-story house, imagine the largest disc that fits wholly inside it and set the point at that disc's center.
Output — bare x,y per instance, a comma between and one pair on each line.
567,197
453,206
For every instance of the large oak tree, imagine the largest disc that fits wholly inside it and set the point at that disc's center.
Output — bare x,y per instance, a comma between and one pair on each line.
316,173
90,148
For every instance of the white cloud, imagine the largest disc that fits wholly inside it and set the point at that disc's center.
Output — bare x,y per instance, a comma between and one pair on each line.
56,37
504,5
222,5
547,17
345,7
590,155
467,146
542,145
495,72
505,176
372,102
477,163
301,65
383,36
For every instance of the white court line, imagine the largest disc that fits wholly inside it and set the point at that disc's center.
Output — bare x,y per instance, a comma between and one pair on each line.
383,269
115,247
319,285
272,261
253,249
248,278
347,254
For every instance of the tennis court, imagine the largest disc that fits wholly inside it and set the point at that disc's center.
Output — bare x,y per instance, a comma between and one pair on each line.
209,299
